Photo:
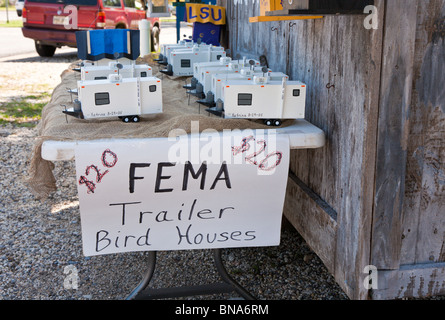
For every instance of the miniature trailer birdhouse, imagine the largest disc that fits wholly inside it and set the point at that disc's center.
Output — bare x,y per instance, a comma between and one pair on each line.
114,89
204,74
181,61
101,72
261,98
219,81
197,67
100,63
166,49
125,98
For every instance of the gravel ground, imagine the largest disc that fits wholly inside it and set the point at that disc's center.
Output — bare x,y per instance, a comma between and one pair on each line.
41,247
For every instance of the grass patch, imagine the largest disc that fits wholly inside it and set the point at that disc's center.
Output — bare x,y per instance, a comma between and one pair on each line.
12,24
24,112
167,19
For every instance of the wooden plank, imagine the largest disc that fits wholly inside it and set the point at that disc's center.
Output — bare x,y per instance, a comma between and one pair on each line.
411,281
283,18
329,55
394,111
423,233
357,65
315,220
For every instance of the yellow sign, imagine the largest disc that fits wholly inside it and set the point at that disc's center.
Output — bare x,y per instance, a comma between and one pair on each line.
269,5
205,13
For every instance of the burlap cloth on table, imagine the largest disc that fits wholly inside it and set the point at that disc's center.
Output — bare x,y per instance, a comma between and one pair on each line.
178,113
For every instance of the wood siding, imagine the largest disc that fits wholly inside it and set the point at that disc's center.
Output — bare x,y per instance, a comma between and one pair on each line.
375,193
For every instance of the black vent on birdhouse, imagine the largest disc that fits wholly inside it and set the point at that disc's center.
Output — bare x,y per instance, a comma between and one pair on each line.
322,7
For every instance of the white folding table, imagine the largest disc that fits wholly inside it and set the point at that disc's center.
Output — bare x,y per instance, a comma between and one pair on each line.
301,134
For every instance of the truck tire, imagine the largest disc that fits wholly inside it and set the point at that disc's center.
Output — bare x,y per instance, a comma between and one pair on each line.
45,50
155,39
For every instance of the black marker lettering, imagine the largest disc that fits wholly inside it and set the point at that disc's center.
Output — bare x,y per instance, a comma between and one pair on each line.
208,239
186,236
250,235
162,217
192,208
160,177
102,239
204,211
123,208
224,209
222,170
235,235
126,239
141,214
133,167
188,168
144,237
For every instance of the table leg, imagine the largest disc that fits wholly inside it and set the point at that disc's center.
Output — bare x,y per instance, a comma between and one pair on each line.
227,285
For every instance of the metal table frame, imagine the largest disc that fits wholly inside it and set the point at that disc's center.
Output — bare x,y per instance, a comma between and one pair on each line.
228,284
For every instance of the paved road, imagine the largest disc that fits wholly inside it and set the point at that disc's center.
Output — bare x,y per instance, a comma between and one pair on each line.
12,41
12,13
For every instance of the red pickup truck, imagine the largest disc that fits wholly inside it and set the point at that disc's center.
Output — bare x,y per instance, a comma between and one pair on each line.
51,23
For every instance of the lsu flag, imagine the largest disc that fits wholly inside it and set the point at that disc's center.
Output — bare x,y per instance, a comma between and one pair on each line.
205,13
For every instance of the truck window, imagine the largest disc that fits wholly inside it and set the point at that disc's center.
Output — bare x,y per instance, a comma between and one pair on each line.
185,63
112,3
296,92
138,5
152,88
67,2
244,99
102,98
129,4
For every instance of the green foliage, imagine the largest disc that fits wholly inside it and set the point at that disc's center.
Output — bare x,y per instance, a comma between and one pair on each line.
11,24
24,112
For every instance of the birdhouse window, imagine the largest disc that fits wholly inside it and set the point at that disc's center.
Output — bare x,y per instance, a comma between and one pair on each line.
185,63
102,98
244,99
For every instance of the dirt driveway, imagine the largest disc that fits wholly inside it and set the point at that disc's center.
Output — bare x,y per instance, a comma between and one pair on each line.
29,74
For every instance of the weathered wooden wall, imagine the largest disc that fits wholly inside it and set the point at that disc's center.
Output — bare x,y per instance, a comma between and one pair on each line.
409,218
375,193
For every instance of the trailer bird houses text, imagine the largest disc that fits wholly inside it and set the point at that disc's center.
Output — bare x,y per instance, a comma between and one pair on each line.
134,198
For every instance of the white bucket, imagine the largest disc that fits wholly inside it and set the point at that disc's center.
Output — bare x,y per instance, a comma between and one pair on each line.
145,45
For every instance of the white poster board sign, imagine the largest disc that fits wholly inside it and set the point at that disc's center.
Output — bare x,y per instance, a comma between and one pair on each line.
220,190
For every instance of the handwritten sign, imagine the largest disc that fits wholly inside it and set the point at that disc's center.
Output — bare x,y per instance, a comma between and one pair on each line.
205,13
188,192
